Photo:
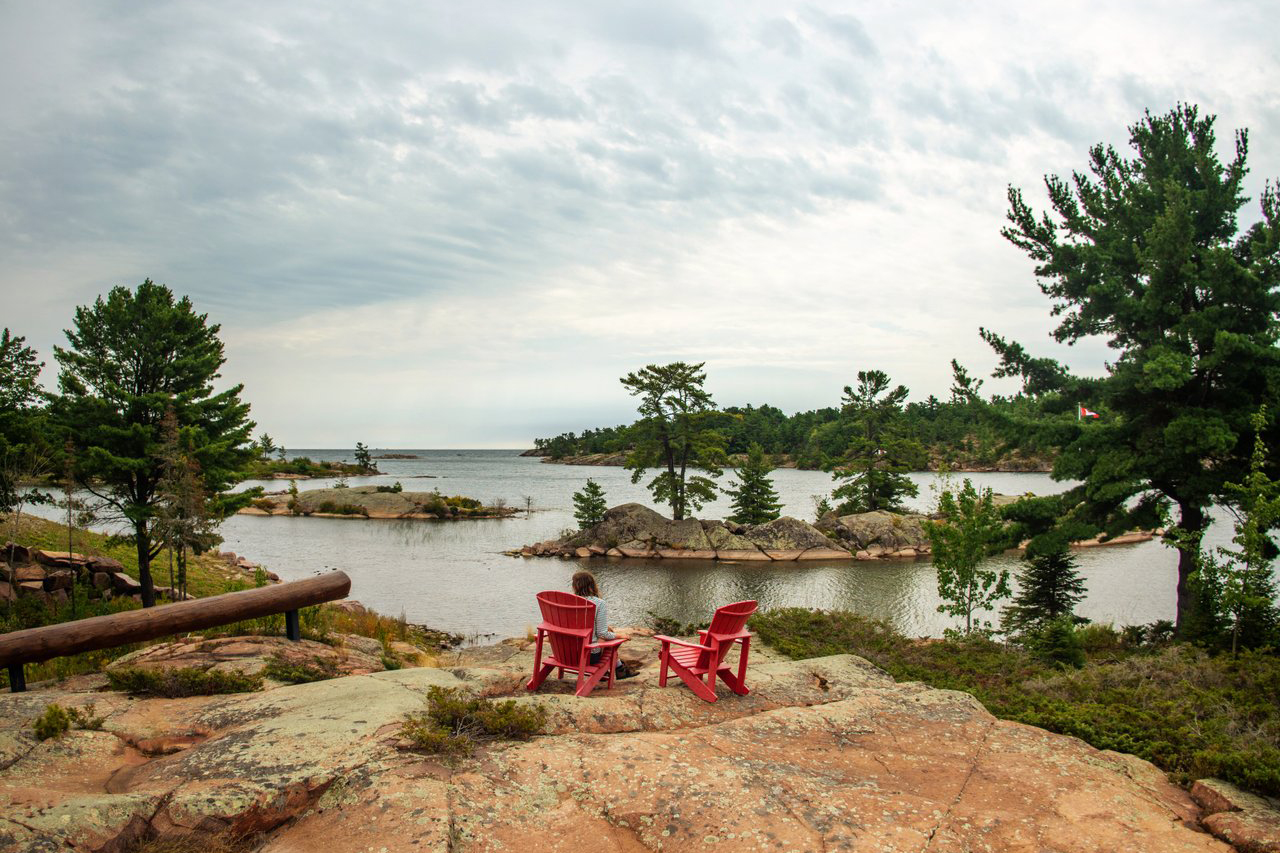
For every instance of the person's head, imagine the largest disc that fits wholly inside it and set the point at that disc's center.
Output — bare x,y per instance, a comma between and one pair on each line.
584,584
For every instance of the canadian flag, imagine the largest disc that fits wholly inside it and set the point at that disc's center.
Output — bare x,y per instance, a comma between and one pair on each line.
1085,413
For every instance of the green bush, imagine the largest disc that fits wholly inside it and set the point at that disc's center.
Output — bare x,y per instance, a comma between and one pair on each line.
454,723
335,508
1057,642
174,683
317,669
264,504
54,722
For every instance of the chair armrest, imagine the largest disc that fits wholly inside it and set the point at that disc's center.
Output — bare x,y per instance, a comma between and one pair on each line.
605,644
662,638
733,638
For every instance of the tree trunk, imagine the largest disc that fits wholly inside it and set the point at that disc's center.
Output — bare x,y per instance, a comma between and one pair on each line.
1191,518
143,541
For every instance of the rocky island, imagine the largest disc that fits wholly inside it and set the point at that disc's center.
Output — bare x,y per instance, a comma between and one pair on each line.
374,502
634,530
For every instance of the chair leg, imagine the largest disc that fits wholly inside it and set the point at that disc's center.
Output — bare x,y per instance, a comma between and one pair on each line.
665,657
586,686
539,677
696,684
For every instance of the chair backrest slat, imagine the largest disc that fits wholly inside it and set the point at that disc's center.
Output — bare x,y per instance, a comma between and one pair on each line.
572,612
729,620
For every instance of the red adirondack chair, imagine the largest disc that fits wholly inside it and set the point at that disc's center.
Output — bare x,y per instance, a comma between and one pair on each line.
568,622
694,662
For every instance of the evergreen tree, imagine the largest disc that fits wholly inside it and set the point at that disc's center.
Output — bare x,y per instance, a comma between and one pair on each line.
185,520
364,459
23,451
132,357
1049,587
1238,588
754,499
1147,253
589,505
880,452
676,432
970,532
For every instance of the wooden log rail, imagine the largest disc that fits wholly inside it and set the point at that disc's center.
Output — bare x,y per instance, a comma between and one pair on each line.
34,645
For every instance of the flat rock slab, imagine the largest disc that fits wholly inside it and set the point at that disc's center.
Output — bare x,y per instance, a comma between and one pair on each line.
823,754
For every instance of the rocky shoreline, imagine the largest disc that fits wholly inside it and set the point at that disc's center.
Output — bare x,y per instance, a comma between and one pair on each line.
635,531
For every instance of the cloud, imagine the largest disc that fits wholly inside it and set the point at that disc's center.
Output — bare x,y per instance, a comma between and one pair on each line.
477,214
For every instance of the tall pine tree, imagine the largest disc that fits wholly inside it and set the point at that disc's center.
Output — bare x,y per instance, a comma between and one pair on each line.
589,505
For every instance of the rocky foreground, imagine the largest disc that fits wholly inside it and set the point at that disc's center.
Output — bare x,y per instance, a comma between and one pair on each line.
825,754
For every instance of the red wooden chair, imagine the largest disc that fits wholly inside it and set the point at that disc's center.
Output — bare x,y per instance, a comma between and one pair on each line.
695,661
568,622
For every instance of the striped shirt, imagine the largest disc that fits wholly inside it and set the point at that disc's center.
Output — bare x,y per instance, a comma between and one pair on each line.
602,619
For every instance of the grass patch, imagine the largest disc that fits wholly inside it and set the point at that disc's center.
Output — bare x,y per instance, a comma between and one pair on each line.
454,724
56,720
1189,713
176,683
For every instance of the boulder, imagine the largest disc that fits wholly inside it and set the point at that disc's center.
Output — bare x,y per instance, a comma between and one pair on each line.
787,534
824,554
582,553
1246,821
745,555
101,580
15,553
124,584
890,532
61,579
60,559
28,574
725,537
6,591
105,564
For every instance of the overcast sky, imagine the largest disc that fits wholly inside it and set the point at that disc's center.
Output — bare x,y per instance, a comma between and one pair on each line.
428,224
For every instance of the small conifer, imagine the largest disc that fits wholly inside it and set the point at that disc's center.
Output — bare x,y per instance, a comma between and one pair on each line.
1049,587
589,505
754,498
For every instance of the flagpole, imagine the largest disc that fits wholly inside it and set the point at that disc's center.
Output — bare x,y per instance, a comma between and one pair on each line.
1079,413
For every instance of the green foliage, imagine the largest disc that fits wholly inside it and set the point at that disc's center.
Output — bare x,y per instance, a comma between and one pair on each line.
53,722
1239,591
131,358
1056,641
971,530
1147,253
589,505
880,451
23,451
676,432
300,672
335,508
364,460
1191,714
175,683
754,499
264,504
454,723
393,489
1049,586
674,627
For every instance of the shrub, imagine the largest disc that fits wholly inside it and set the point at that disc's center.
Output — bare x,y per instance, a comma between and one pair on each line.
393,489
303,672
264,504
1057,642
674,627
174,683
454,723
54,722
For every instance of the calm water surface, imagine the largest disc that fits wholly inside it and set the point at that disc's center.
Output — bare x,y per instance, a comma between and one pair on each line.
452,574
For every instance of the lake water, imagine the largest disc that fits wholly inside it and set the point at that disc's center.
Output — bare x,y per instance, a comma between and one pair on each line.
452,575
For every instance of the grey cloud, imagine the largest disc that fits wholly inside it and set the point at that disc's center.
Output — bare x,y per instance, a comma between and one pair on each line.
781,35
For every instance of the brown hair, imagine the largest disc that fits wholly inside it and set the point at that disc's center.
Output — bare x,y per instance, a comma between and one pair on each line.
584,584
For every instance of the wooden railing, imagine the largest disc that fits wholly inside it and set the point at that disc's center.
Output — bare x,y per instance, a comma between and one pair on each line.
34,645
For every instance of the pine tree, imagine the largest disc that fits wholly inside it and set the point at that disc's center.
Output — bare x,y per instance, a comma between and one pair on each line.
881,452
131,357
589,505
754,498
1049,587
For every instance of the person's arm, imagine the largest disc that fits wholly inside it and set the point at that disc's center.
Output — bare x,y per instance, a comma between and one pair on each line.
602,622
